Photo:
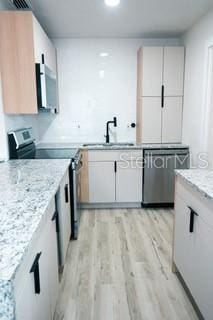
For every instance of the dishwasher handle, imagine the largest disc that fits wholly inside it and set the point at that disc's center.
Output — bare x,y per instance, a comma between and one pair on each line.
166,152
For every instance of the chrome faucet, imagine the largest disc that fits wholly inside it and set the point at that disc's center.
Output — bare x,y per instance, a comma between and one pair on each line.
107,128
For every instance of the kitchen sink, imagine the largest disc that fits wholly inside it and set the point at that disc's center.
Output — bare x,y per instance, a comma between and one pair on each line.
121,144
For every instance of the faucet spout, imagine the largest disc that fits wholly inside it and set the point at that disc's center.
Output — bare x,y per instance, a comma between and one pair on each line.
114,122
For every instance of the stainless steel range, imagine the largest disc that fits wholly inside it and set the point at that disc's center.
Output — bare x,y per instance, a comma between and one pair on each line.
22,146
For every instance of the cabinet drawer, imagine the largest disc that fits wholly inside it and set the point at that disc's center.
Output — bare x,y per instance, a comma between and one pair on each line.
109,155
194,199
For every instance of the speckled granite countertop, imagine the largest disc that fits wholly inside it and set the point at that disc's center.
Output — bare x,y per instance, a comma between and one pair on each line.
26,189
112,146
200,179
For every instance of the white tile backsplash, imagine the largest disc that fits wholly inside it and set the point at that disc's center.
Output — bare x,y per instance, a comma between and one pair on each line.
97,80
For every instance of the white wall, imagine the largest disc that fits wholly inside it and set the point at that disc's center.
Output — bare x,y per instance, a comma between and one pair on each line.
196,41
89,98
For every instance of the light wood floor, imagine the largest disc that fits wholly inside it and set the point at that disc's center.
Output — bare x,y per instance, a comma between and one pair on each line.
120,269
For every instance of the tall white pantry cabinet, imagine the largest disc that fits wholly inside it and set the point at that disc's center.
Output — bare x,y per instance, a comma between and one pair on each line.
160,88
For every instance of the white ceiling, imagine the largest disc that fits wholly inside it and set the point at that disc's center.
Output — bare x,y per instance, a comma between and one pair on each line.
133,18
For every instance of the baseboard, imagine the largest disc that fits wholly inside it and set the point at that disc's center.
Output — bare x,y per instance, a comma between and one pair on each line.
188,292
126,205
157,205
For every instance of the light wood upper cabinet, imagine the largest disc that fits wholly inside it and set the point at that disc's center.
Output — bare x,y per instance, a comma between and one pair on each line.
22,42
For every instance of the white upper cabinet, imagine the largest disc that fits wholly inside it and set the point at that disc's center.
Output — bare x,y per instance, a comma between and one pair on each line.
43,45
160,94
151,119
172,120
173,71
151,68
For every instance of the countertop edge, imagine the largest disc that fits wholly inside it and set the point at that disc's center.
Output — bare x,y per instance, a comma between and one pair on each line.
193,185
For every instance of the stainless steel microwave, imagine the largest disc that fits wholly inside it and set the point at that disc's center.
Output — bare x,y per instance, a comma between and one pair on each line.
47,90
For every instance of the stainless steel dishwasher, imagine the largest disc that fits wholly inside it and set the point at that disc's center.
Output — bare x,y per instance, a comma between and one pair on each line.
159,174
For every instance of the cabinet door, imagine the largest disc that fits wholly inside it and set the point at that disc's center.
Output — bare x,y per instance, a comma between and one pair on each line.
43,309
173,74
152,71
193,256
17,63
202,260
151,120
26,307
129,181
43,45
64,217
102,182
182,240
172,120
53,266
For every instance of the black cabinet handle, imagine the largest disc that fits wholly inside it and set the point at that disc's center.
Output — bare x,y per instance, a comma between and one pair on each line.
192,218
162,97
115,166
56,219
66,193
42,59
35,270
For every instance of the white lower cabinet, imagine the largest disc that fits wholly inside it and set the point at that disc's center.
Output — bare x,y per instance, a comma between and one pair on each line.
193,254
129,181
101,182
26,305
115,176
53,267
64,216
36,282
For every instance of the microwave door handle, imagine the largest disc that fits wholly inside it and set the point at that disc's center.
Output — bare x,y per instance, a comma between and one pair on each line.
43,87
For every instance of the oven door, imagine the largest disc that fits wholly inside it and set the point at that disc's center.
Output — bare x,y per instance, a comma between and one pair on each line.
26,152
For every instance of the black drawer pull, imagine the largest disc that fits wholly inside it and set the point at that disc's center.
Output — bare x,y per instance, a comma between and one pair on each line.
35,270
192,218
56,219
66,193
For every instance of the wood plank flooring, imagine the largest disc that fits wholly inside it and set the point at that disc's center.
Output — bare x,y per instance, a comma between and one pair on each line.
120,269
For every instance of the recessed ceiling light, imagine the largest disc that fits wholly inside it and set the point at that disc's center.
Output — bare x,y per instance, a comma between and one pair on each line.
104,54
112,3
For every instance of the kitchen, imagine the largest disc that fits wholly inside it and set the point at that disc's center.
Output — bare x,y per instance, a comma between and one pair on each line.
100,103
